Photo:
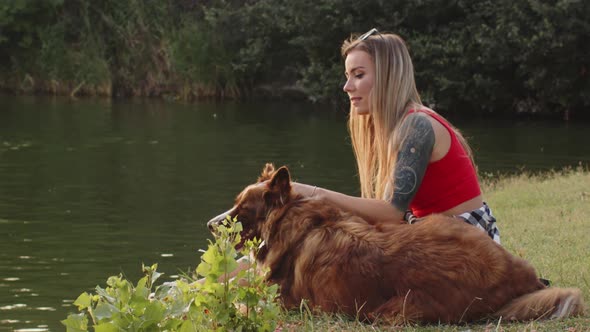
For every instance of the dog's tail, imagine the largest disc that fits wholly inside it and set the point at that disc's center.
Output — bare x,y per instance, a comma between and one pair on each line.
545,303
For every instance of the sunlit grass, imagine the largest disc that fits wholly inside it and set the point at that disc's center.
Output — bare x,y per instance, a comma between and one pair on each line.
542,218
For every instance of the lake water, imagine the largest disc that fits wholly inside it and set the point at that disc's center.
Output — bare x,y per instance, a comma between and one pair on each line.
93,188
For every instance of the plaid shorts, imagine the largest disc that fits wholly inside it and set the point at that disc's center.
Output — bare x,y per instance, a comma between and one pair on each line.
481,218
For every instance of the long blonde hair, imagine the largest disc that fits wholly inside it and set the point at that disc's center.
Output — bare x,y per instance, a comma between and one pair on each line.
376,137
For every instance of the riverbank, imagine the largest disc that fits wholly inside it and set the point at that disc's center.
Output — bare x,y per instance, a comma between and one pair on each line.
183,92
464,60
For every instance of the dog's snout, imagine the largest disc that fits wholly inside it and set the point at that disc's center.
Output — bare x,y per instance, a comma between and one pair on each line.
213,223
216,221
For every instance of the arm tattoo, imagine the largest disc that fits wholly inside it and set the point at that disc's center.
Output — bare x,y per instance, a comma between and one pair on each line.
412,159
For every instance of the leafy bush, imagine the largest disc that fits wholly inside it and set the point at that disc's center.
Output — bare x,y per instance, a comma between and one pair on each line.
185,304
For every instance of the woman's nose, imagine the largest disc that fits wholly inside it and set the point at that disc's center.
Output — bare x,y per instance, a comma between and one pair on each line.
347,86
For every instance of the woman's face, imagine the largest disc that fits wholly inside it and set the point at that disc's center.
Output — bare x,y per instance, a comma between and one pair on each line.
360,75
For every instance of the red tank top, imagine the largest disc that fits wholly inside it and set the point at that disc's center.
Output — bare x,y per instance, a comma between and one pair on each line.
447,182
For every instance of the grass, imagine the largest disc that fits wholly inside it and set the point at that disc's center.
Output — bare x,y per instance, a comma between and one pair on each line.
543,219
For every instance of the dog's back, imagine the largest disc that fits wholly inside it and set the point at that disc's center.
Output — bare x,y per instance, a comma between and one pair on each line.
453,272
440,269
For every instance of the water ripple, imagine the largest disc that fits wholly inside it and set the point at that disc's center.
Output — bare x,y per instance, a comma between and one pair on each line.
14,306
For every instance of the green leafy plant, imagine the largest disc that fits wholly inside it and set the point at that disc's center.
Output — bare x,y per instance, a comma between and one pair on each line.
243,303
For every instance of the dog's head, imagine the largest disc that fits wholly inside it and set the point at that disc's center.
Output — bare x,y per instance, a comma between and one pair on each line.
253,205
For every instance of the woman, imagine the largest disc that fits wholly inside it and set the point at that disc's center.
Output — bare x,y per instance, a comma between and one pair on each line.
411,161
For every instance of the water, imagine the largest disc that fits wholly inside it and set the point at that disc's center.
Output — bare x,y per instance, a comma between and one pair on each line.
93,188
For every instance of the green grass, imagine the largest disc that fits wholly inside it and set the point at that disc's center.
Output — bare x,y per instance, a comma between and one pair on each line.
542,218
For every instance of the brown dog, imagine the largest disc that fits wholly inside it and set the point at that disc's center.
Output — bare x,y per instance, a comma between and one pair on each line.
438,270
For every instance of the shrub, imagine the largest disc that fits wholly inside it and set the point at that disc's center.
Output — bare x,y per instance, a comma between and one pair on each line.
185,304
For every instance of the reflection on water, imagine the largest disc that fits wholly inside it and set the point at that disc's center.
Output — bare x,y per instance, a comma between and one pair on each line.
90,189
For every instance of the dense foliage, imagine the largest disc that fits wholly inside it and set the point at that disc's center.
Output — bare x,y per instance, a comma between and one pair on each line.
499,56
181,305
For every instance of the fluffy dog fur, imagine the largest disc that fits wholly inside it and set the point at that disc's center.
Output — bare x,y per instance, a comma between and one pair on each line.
438,270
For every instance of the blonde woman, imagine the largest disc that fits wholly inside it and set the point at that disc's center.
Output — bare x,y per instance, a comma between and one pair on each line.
411,161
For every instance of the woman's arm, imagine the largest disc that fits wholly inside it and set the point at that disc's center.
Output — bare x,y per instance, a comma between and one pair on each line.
373,210
413,157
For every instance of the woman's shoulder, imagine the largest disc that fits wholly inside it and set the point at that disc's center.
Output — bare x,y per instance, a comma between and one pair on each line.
442,135
421,110
416,119
435,119
423,114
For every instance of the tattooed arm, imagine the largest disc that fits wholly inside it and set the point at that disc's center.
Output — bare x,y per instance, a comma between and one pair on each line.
412,159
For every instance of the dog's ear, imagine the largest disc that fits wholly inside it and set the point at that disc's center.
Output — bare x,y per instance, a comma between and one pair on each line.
280,187
267,172
281,180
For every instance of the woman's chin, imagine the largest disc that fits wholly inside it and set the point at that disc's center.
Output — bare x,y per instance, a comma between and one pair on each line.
361,111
